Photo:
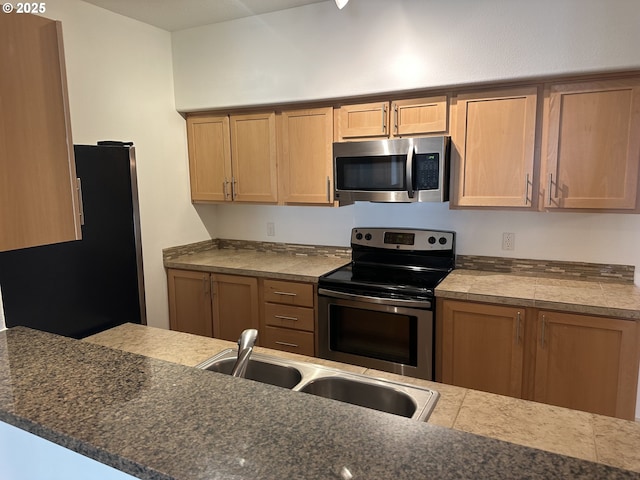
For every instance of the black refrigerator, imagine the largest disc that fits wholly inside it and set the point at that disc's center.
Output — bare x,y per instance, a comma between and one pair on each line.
82,287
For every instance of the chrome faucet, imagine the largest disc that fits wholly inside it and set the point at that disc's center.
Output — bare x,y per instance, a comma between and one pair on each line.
245,346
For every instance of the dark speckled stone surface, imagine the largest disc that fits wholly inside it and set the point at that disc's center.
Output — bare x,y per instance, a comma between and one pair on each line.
159,420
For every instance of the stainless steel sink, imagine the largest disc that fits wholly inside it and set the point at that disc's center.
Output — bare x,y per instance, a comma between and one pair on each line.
365,394
265,372
397,398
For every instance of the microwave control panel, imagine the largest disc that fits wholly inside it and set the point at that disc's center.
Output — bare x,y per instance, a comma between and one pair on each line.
427,171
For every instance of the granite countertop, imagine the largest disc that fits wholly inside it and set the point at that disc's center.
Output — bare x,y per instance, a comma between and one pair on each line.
160,420
282,266
618,300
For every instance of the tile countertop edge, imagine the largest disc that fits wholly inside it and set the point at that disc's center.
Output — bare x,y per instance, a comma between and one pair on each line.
480,286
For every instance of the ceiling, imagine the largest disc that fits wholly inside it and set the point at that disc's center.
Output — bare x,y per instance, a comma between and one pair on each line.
180,14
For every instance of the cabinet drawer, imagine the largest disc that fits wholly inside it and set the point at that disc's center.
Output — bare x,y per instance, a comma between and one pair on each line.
287,340
298,318
290,293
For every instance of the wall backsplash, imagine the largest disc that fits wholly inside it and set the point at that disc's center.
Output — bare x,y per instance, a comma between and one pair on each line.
519,266
549,268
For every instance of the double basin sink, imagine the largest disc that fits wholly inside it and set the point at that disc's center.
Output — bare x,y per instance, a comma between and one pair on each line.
402,399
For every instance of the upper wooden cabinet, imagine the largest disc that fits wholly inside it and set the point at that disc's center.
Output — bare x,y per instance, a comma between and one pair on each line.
493,148
253,158
233,158
38,190
591,150
305,171
209,141
417,116
587,363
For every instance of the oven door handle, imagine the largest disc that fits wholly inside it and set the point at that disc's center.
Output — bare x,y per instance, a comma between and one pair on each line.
398,302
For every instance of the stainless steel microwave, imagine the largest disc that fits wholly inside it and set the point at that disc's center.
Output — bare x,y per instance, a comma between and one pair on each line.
398,170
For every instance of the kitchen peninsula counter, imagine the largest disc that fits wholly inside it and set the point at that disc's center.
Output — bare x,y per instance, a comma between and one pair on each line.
554,429
157,419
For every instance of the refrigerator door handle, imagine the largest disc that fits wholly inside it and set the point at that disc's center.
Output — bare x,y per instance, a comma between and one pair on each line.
80,204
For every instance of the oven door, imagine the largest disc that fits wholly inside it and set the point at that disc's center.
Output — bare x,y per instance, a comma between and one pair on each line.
392,335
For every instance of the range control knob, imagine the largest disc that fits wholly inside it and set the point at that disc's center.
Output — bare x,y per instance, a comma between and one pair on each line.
442,240
432,240
359,236
367,236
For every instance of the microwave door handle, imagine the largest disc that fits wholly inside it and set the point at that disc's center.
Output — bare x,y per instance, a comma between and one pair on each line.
409,172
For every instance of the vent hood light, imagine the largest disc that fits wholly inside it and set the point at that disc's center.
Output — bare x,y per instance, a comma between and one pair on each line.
341,3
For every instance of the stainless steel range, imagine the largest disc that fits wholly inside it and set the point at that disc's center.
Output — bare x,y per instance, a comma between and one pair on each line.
378,311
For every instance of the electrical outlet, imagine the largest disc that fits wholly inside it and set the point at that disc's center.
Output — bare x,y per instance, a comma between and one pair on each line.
271,229
508,241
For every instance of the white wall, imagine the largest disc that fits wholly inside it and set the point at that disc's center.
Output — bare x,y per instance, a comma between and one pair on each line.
120,79
371,46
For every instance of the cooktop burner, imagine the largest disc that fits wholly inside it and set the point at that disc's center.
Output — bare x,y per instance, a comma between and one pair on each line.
399,262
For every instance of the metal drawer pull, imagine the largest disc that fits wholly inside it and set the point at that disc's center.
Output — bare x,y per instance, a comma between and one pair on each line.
287,344
283,317
518,329
286,293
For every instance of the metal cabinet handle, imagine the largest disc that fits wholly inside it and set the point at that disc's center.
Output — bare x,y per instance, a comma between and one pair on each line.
395,118
80,202
284,317
328,189
289,294
384,119
526,189
550,185
224,188
518,320
544,323
233,188
287,344
205,290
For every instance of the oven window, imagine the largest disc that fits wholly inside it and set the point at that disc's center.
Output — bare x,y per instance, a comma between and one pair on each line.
369,333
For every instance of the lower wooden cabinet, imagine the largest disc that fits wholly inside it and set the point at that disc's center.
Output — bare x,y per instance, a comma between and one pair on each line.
213,305
235,305
288,320
222,306
483,347
190,302
576,361
586,363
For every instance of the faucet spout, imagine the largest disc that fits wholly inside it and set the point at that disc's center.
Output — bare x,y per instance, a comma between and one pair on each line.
245,347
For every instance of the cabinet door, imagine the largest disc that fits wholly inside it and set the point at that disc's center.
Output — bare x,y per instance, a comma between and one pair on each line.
235,305
587,363
419,116
190,302
593,146
482,347
365,121
38,193
209,158
306,172
493,148
253,158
